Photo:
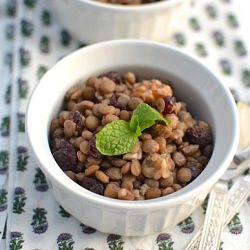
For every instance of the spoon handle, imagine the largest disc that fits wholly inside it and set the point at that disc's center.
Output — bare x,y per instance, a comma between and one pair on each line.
211,233
237,195
237,171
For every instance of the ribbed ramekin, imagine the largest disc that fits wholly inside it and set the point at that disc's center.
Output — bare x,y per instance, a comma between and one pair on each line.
207,98
90,21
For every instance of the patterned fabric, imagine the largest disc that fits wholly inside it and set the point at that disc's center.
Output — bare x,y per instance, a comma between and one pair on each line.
31,42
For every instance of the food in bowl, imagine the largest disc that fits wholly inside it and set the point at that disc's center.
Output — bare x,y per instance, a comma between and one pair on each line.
129,138
193,83
128,2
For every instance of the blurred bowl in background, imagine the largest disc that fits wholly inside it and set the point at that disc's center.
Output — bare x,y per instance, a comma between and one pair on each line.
90,21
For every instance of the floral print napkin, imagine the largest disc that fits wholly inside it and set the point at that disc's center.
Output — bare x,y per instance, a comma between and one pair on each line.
32,41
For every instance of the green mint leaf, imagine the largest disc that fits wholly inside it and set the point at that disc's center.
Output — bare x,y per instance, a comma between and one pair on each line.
134,125
147,116
116,138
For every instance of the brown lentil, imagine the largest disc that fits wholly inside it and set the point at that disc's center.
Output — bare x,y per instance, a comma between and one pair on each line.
124,194
88,93
101,177
179,159
167,190
153,192
150,146
92,122
111,190
87,135
135,168
114,173
184,175
91,170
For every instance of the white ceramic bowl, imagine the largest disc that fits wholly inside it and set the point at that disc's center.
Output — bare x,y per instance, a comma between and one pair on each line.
91,21
206,96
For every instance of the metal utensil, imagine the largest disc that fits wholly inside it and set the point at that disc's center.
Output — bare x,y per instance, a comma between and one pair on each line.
237,195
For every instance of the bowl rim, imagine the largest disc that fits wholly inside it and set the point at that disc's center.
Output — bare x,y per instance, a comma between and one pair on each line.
130,8
172,199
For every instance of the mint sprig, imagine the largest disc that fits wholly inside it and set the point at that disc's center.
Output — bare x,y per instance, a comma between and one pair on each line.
118,137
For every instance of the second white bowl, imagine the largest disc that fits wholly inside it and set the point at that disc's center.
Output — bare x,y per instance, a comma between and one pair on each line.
91,21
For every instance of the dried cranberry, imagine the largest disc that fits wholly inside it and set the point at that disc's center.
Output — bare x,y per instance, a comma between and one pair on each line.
112,75
76,117
93,185
169,104
198,135
115,103
93,150
64,154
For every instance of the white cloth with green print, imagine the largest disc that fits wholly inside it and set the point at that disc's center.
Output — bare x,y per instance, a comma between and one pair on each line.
31,42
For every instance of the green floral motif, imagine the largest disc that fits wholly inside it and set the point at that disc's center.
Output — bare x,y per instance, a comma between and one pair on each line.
180,39
235,226
4,230
5,126
39,221
219,38
4,161
16,241
23,88
247,172
7,95
248,200
41,71
204,205
115,242
40,181
3,200
245,75
232,21
24,56
10,8
235,94
22,158
211,11
46,18
65,241
187,226
65,38
30,3
44,44
194,23
26,27
9,31
230,184
240,48
81,45
164,242
201,49
226,67
86,229
8,60
19,200
63,212
221,245
89,248
21,122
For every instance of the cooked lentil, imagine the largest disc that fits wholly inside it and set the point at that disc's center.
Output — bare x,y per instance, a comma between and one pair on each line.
165,159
